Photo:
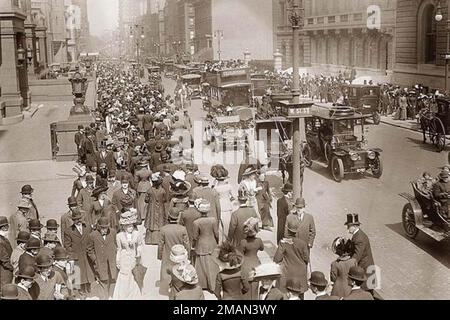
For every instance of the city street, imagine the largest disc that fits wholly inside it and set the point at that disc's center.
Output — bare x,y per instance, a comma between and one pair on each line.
409,269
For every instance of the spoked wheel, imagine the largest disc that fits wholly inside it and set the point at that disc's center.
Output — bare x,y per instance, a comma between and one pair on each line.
377,168
337,169
409,223
307,156
437,134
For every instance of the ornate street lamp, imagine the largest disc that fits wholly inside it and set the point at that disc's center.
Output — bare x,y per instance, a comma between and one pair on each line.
79,88
21,56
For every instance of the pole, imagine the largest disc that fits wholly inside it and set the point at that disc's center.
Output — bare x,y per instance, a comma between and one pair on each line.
446,60
296,141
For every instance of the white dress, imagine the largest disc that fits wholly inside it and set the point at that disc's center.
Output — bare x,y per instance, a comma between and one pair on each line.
129,247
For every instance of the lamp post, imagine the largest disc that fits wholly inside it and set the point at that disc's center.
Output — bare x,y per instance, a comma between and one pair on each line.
21,53
79,88
439,18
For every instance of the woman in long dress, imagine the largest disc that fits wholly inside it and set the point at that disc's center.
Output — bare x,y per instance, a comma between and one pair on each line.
156,198
251,245
225,191
205,240
341,266
142,177
129,248
264,199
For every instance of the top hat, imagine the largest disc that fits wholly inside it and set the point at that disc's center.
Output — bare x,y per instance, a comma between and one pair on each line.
51,224
72,202
300,203
352,220
357,273
33,243
3,221
27,189
9,292
287,188
97,191
44,260
318,279
103,143
50,237
23,237
27,272
103,222
242,196
60,253
178,254
24,204
186,273
35,224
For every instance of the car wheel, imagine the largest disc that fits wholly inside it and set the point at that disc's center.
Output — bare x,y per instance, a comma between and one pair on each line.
337,169
409,222
377,168
307,155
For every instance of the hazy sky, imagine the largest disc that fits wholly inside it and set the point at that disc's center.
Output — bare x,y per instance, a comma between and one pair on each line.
103,15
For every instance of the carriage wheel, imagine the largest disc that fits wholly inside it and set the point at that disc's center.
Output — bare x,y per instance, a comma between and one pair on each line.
337,169
439,137
377,169
409,223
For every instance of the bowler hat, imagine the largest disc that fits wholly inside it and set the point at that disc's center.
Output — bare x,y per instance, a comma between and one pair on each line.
27,272
103,222
24,204
357,273
33,243
76,214
287,188
318,279
44,260
300,203
293,225
90,178
352,220
72,202
51,224
60,253
27,189
35,224
294,284
50,237
3,221
9,292
174,214
444,174
23,237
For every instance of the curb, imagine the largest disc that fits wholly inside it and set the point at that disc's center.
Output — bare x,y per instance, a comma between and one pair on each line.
400,126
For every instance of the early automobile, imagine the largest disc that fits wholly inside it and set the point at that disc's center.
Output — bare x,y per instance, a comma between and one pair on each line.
226,133
423,213
193,84
336,139
364,99
260,83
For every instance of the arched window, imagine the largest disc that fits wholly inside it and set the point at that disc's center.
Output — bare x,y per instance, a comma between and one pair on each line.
427,33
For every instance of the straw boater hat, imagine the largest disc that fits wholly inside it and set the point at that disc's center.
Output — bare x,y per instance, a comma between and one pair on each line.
178,254
185,273
128,218
203,206
268,270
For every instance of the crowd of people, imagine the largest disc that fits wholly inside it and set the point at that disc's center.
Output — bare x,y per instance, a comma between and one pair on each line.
139,186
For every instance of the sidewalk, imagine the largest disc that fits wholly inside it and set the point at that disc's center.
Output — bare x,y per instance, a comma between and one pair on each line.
412,125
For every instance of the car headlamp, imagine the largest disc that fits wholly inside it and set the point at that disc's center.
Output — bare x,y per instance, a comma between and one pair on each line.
371,155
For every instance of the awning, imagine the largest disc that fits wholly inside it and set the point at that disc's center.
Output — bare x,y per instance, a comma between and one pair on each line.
191,76
236,85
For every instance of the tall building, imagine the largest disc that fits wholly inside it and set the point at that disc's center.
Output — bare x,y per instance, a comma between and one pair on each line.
345,34
130,13
82,29
228,28
420,43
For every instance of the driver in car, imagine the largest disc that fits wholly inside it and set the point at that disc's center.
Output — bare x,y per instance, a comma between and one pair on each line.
325,135
441,192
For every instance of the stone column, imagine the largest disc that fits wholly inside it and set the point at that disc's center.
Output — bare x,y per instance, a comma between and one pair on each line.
247,57
278,60
30,31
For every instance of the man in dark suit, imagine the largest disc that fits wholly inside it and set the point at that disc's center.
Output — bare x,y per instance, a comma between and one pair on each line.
76,239
102,251
306,227
6,268
125,192
147,124
204,191
284,208
79,136
29,257
187,218
238,218
356,278
107,157
441,191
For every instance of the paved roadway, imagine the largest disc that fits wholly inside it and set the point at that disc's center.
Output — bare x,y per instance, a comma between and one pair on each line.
410,269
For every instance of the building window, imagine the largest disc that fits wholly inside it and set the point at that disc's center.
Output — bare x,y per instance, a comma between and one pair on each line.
331,19
344,18
320,20
357,17
311,21
429,29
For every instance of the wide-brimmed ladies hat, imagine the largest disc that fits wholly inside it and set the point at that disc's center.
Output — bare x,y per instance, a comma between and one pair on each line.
226,253
179,254
251,227
186,273
268,270
249,171
128,217
180,188
50,237
203,206
99,190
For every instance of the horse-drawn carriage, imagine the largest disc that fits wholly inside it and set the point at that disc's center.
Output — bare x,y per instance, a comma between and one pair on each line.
435,122
364,99
423,213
